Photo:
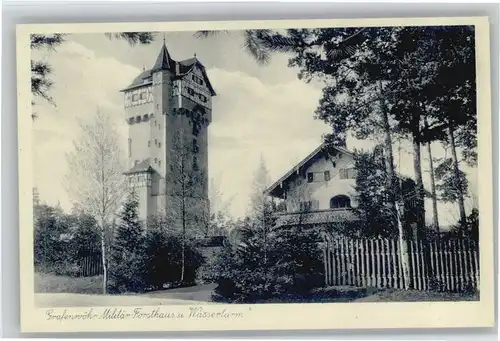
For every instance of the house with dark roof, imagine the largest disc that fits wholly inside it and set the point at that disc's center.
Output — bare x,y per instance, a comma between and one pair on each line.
319,190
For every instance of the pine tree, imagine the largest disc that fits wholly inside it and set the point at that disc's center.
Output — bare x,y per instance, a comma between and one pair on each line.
126,268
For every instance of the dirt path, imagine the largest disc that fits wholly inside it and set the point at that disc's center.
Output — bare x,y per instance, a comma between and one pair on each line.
182,296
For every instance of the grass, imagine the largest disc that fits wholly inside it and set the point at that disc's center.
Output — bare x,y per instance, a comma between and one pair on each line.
48,283
344,294
397,295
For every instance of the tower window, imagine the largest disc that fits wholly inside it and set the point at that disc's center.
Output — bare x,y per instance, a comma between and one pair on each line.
203,98
156,160
196,129
327,175
155,123
149,143
159,163
138,119
129,147
159,126
159,144
197,80
195,146
190,91
156,142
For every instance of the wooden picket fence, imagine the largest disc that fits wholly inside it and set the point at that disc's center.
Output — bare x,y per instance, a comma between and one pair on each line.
91,265
377,263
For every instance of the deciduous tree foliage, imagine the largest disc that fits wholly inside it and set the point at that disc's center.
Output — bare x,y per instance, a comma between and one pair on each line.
94,180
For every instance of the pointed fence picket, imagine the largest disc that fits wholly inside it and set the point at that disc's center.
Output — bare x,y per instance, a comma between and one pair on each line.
377,263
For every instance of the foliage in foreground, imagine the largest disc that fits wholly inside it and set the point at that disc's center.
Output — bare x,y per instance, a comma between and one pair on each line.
266,265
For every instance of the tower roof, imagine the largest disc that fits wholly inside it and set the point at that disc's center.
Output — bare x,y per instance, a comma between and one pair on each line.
164,61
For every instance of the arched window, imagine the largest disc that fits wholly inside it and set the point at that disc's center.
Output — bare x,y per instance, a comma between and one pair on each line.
340,201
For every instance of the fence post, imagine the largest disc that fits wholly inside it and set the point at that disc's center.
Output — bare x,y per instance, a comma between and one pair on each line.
363,258
403,249
326,249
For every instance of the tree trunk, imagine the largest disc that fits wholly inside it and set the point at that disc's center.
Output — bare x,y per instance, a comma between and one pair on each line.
104,263
419,200
392,200
183,250
456,170
435,217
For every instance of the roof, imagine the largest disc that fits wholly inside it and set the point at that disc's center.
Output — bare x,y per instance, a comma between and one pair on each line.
178,68
163,61
311,157
142,167
316,217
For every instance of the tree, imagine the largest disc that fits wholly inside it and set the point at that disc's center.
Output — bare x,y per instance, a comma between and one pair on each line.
187,207
49,248
86,237
372,195
94,180
261,208
126,266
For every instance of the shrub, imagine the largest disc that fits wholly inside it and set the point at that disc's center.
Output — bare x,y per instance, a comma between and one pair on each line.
162,260
267,264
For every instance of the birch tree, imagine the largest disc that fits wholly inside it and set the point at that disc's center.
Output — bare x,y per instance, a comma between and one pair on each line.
187,207
95,179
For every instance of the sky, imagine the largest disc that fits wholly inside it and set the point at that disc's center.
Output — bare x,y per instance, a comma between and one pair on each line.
259,112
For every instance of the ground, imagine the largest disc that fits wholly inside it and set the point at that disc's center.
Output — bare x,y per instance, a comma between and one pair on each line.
58,291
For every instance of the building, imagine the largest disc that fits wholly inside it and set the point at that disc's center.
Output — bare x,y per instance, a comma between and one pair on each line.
319,190
168,109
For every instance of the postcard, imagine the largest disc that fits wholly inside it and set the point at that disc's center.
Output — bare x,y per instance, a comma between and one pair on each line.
255,175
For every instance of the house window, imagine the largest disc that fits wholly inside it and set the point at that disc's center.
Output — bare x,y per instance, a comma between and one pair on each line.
305,205
310,177
340,201
159,144
149,143
159,163
156,160
156,142
327,175
348,173
203,98
129,147
138,119
190,91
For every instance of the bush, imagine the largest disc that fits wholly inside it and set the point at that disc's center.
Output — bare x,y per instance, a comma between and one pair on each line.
163,260
267,264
